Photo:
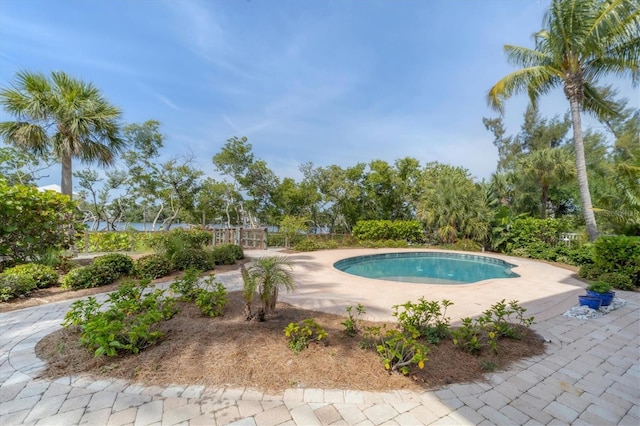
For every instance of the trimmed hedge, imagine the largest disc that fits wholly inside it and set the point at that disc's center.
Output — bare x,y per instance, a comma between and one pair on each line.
620,254
152,266
376,230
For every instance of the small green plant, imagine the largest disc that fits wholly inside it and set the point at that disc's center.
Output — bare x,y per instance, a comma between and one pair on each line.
398,350
227,254
495,322
599,287
27,277
126,322
301,334
186,286
212,302
195,258
428,318
351,324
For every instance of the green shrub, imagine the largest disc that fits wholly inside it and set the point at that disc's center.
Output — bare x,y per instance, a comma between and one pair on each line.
426,318
589,271
152,266
352,323
41,275
119,264
128,324
106,241
34,222
501,320
15,285
212,302
617,280
619,254
193,258
187,285
94,275
375,230
582,255
526,231
308,244
301,334
226,254
465,244
398,350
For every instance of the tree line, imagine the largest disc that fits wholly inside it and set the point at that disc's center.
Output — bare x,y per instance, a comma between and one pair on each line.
542,171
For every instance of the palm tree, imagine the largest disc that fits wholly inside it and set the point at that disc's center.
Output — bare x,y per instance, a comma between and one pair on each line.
581,41
266,275
547,167
64,116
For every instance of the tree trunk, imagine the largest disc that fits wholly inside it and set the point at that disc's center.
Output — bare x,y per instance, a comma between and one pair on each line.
543,201
66,183
581,170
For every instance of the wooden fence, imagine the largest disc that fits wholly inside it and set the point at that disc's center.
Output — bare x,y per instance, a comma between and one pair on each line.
247,238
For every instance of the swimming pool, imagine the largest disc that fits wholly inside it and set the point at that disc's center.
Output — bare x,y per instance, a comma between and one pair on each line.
427,267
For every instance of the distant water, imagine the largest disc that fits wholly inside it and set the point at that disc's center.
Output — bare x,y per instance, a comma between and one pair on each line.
138,226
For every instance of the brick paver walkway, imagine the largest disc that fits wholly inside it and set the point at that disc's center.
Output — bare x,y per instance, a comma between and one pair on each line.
590,375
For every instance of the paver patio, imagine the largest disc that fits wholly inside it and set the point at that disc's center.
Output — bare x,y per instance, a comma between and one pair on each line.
590,373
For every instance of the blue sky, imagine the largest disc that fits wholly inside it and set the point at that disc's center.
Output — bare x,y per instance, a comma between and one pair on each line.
331,81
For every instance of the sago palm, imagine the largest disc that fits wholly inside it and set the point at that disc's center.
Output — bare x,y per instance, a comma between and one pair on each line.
581,41
62,116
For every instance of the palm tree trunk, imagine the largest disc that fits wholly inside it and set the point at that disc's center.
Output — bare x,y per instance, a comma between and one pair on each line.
66,184
581,170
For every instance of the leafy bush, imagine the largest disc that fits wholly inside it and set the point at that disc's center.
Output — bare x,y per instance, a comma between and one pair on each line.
119,264
497,321
375,230
352,323
34,222
465,244
426,318
152,266
397,350
212,302
617,280
227,254
589,271
129,322
187,285
94,275
106,241
178,239
308,244
15,285
301,334
384,243
42,276
193,258
619,254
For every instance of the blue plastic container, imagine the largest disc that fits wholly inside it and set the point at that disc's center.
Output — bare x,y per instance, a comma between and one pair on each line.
590,301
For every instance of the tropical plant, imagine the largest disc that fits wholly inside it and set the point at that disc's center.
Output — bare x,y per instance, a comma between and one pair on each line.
581,41
62,115
267,276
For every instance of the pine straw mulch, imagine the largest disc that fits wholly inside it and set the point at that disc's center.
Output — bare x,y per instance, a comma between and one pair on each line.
229,351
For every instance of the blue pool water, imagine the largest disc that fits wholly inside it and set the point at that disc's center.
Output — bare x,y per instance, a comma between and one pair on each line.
427,268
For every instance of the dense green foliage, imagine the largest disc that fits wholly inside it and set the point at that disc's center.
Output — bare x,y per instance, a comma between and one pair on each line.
375,230
34,222
266,277
23,279
227,254
618,255
106,242
152,266
119,264
126,322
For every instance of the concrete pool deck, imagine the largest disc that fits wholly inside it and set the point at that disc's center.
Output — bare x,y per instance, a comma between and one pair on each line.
590,373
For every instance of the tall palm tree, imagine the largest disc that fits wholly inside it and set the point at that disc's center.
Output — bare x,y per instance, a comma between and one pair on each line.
581,41
267,276
64,116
